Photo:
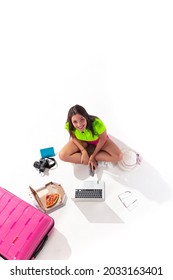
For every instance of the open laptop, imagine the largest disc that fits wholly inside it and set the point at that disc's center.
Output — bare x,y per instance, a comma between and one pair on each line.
90,191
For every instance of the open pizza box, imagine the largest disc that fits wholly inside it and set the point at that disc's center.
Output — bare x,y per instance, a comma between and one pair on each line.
49,197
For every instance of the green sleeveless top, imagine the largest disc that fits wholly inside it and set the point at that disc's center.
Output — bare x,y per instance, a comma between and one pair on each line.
86,135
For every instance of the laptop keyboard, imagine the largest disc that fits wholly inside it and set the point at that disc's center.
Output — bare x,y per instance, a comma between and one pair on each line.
90,191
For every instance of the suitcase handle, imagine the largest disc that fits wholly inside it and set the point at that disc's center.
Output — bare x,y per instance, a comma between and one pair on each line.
39,248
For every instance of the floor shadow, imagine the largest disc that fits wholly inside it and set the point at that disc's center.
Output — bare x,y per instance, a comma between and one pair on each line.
57,247
98,212
145,179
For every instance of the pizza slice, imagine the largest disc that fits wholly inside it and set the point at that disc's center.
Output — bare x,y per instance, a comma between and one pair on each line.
51,199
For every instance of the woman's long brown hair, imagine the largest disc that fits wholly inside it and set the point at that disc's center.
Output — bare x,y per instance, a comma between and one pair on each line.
77,109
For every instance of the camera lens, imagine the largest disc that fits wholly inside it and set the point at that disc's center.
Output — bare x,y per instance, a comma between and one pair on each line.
37,164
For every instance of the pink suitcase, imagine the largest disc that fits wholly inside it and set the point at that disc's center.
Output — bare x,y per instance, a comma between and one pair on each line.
23,228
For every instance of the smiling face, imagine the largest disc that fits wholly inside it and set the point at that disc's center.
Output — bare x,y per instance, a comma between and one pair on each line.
79,122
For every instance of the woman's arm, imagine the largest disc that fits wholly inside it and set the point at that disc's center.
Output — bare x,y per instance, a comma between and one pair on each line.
84,153
102,140
78,143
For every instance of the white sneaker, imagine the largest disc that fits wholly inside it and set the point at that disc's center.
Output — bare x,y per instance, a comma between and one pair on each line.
105,164
102,164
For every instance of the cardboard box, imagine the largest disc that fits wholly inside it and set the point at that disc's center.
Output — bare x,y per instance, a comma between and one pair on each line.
51,192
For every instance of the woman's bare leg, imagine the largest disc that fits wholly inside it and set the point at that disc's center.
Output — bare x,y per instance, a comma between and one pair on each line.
71,153
109,152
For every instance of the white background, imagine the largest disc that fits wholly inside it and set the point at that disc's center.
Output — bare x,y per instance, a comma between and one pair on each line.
114,58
